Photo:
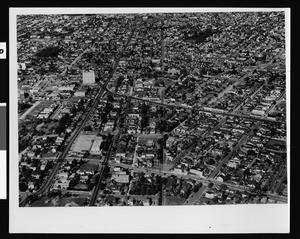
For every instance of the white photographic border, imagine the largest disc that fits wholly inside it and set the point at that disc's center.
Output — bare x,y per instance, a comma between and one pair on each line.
256,218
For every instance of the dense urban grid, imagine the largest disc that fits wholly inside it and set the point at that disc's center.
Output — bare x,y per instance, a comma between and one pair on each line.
152,109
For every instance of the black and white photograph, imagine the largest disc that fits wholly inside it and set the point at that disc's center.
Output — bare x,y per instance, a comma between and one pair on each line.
160,109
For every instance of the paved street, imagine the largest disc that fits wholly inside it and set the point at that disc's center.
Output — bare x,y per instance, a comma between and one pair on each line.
27,112
194,197
97,187
181,66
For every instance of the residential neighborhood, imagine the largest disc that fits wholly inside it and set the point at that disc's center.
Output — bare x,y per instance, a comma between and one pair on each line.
152,109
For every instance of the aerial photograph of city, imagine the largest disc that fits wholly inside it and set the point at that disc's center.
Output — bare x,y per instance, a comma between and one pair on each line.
152,109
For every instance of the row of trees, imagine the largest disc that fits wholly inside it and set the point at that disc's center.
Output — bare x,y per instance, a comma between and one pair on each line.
63,123
24,106
51,51
145,115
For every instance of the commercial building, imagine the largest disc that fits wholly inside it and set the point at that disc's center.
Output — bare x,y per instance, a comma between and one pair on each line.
83,143
96,145
88,77
121,178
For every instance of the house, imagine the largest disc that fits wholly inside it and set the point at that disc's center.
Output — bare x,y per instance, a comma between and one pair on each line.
146,202
87,168
121,178
30,154
209,194
63,175
80,93
173,71
257,177
43,165
30,185
43,115
121,155
232,163
150,143
196,172
179,171
264,200
36,175
62,183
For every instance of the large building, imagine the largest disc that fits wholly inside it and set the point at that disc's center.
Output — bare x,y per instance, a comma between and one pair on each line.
83,143
95,149
88,77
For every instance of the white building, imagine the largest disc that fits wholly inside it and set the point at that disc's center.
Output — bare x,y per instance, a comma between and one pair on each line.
21,66
95,149
79,93
256,112
66,87
88,77
196,172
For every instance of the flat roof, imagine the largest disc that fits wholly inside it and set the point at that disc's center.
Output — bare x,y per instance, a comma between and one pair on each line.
83,142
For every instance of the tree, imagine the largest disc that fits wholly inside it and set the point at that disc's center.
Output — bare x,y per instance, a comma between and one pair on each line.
196,188
142,177
143,189
81,105
27,173
88,128
215,200
251,153
120,80
264,189
103,117
72,183
247,172
86,154
144,108
223,187
106,145
51,51
22,187
144,121
210,185
23,106
110,98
